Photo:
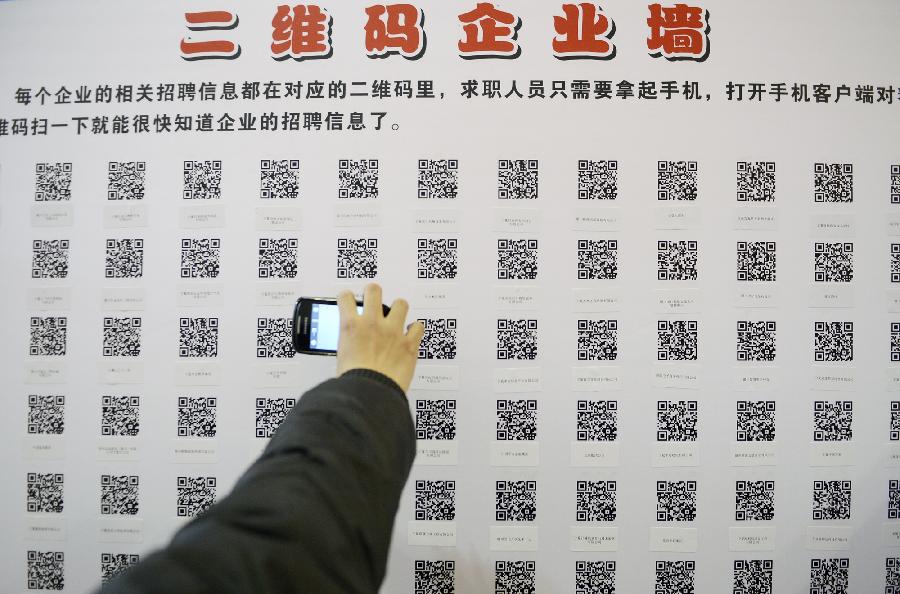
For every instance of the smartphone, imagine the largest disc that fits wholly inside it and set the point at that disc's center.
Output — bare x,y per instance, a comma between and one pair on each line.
317,323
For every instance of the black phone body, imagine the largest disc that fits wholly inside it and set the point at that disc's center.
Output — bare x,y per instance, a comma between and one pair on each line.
317,324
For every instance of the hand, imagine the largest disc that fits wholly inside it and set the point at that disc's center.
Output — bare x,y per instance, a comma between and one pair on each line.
373,341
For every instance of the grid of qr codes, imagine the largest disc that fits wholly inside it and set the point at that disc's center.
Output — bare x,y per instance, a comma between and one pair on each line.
518,261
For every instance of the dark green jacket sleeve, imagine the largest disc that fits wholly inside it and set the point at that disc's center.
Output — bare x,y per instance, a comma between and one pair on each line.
313,514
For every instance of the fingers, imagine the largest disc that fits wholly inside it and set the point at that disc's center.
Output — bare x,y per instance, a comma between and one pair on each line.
415,332
372,301
397,315
346,306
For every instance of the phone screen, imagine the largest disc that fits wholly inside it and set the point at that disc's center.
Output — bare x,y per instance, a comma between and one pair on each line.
324,326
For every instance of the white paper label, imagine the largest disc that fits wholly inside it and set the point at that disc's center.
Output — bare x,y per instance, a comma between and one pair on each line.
120,530
516,297
675,218
278,218
595,453
594,538
52,214
277,375
517,220
675,453
194,451
892,224
755,218
123,299
120,371
596,300
832,225
892,455
596,379
678,301
435,220
118,449
436,377
685,377
201,295
756,379
681,540
431,533
124,216
599,220
44,298
831,454
45,372
357,215
202,216
277,294
834,295
828,538
514,538
827,378
44,527
751,538
893,301
198,374
892,379
517,379
435,296
43,447
753,453
437,452
515,453
891,533
755,294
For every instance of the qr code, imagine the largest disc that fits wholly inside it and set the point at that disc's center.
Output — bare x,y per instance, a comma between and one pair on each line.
357,258
119,494
436,258
755,341
200,258
439,340
892,575
438,178
675,576
598,180
517,339
598,259
274,337
46,570
595,577
44,493
895,262
517,179
435,419
279,179
829,576
278,258
514,577
270,413
434,577
121,337
833,182
50,258
754,500
676,340
516,501
196,416
202,180
756,181
516,420
833,262
120,415
53,182
198,337
676,420
126,180
753,576
358,179
48,336
895,184
196,494
676,501
677,180
831,500
833,421
756,420
598,340
676,260
436,500
895,421
597,420
46,414
112,564
124,258
595,501
895,341
517,258
893,499
756,261
833,341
